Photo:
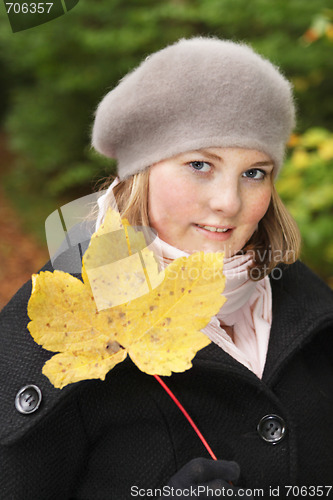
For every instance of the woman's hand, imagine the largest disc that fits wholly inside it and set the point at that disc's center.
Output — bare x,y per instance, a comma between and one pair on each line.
199,477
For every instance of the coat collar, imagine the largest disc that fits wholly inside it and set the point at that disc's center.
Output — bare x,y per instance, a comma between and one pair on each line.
302,305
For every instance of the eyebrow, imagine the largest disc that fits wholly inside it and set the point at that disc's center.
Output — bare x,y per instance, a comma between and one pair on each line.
263,164
209,154
266,163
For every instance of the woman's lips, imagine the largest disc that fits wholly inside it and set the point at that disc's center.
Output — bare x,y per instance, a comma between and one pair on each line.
215,235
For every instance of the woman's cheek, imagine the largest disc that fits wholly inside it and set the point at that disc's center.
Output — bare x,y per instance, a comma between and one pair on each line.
177,198
259,206
169,201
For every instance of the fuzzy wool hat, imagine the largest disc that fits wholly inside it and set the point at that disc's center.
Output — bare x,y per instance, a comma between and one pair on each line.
196,93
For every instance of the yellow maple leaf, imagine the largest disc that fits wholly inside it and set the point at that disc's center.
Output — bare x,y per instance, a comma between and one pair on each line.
159,328
118,264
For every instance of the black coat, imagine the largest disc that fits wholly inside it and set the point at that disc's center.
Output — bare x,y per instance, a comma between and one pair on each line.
94,440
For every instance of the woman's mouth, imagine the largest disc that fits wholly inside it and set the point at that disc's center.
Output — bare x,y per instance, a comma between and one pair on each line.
220,233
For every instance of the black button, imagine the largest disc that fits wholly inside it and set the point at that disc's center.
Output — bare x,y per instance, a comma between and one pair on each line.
28,399
271,428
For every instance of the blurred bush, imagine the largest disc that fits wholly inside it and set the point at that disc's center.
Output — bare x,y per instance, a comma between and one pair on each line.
306,186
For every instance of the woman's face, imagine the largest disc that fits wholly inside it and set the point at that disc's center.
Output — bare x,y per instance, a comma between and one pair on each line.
220,188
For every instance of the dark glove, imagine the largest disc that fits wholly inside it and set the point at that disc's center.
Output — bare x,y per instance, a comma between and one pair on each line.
200,476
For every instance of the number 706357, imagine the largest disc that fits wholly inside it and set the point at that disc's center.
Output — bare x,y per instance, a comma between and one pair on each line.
31,8
309,491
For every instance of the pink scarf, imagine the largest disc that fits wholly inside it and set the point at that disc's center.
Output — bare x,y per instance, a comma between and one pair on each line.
248,308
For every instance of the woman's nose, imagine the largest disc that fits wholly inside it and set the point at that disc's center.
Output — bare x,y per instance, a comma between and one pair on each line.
226,198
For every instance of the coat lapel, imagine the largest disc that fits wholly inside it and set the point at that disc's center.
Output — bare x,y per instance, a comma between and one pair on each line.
302,306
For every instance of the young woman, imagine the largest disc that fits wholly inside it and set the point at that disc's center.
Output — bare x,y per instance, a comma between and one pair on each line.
199,131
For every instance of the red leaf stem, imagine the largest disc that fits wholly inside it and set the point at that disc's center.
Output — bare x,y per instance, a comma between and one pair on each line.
182,409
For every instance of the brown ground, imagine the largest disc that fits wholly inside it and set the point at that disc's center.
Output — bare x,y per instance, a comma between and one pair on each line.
20,254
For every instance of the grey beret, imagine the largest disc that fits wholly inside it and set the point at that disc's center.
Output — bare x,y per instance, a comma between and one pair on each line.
197,93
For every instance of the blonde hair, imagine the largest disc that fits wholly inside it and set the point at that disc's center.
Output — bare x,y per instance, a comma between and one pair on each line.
277,239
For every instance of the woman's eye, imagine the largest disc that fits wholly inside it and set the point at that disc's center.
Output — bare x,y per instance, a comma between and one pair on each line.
255,173
200,166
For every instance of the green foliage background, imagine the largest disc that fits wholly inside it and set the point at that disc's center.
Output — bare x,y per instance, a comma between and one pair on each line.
52,77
